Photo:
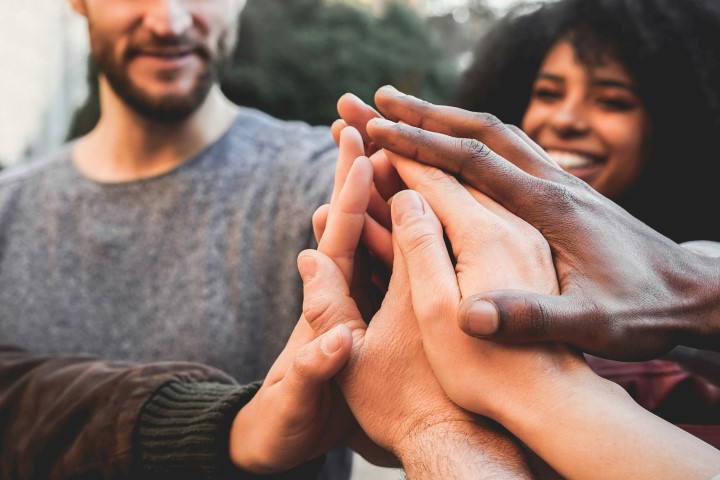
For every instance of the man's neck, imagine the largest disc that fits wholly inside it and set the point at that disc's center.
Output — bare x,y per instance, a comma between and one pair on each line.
125,146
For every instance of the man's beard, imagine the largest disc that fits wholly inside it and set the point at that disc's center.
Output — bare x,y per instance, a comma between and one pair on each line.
164,108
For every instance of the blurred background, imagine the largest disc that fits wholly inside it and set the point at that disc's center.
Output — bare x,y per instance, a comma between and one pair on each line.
294,59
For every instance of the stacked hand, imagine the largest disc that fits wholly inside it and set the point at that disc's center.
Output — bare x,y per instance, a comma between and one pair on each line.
627,292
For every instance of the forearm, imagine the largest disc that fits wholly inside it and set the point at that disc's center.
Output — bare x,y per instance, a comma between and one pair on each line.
701,295
78,415
463,450
587,427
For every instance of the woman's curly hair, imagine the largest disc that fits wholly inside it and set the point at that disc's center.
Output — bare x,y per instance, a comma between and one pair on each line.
671,48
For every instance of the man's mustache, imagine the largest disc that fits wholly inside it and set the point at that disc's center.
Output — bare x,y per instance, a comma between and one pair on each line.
185,44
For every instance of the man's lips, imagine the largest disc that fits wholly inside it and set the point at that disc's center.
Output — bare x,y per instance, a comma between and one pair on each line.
166,53
167,58
174,51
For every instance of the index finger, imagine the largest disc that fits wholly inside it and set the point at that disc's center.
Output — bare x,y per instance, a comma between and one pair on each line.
356,113
469,159
459,123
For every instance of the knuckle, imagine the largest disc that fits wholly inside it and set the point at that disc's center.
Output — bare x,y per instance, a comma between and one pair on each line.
420,242
541,321
302,363
424,109
486,122
562,201
560,195
474,149
525,317
431,177
321,311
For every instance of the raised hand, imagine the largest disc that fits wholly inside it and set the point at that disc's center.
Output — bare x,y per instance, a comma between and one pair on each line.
545,395
627,292
493,249
298,413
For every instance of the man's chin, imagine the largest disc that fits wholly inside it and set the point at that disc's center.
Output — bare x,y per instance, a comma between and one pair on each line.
165,107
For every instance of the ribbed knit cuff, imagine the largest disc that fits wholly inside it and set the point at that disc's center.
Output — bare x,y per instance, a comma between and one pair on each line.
183,433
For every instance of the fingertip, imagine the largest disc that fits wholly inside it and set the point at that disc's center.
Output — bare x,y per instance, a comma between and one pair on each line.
307,265
364,167
380,122
388,90
319,220
338,125
336,128
478,317
406,205
350,97
349,131
336,340
321,212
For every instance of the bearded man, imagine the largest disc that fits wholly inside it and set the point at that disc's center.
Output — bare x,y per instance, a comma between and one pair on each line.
168,233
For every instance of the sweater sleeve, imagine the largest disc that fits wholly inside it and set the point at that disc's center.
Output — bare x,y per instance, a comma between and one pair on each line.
184,429
82,417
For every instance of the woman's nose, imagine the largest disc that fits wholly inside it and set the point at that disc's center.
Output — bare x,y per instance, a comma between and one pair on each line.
570,118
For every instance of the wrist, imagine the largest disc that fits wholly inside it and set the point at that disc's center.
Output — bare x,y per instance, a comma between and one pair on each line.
470,447
699,290
532,415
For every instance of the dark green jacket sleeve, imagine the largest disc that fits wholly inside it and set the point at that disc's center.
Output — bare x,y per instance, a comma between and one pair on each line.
183,433
75,416
78,417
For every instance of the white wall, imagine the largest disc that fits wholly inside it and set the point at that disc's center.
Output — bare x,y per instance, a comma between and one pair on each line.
43,49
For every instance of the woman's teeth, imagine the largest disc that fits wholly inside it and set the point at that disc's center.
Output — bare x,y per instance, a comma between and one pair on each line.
569,160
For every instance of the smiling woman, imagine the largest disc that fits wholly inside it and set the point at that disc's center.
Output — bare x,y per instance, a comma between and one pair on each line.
625,94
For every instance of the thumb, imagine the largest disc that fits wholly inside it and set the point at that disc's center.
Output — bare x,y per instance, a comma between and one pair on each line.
317,362
326,294
518,316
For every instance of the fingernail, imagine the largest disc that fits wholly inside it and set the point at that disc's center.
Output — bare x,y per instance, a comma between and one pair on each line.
382,122
353,97
406,205
390,89
333,340
482,318
307,267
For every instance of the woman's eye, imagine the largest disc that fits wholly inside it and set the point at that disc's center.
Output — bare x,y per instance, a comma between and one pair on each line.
547,94
616,104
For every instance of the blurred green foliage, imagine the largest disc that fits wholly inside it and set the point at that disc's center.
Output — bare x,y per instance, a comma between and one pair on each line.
296,58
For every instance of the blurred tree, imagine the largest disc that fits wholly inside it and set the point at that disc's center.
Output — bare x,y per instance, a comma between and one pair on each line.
294,59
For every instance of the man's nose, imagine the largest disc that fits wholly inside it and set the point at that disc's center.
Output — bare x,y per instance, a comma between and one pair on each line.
168,18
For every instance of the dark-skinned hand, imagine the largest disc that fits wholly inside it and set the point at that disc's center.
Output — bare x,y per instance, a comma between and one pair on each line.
627,292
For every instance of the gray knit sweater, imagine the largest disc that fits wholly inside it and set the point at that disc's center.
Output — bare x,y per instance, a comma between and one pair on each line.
198,264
